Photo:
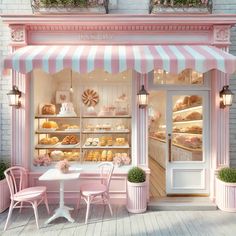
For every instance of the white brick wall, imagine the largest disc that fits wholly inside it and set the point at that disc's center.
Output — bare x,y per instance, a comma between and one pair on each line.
7,7
23,6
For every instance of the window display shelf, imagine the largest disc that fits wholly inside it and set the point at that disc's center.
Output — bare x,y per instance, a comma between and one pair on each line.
58,146
188,133
188,149
158,139
106,117
187,121
106,147
192,108
57,132
55,116
106,132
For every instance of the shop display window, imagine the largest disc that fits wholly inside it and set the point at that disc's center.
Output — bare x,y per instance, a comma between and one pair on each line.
87,124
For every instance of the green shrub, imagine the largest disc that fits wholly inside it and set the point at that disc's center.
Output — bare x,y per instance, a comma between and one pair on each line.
227,175
3,166
136,175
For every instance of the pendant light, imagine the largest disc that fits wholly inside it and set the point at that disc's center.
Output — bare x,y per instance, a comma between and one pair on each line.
71,85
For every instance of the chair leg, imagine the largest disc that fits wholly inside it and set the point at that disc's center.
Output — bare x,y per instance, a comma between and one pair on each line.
88,208
78,203
109,204
21,205
35,207
46,202
9,214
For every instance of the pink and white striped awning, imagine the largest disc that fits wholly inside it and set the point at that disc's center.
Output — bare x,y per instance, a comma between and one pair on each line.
114,59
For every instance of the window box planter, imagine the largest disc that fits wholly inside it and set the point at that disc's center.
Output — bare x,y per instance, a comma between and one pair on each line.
181,6
69,6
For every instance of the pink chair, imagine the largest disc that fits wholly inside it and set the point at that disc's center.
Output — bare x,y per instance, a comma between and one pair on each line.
17,178
89,192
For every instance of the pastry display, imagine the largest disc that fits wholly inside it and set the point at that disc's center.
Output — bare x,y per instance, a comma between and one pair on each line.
71,156
90,97
160,135
187,101
120,141
50,125
67,109
107,111
57,155
68,127
70,140
49,141
42,160
91,142
194,116
121,159
49,109
193,142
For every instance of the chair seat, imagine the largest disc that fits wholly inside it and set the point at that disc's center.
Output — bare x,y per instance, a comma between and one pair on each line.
32,193
92,189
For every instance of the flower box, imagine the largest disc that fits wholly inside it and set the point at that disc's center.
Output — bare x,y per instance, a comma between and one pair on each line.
181,6
69,6
226,196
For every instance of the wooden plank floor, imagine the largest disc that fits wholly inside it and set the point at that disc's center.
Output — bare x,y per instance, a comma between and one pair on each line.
123,223
157,179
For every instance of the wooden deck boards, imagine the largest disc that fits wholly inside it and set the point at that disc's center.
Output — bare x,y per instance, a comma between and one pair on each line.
157,179
123,223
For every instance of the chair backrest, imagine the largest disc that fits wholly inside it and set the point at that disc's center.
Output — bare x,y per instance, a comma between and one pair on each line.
106,170
16,177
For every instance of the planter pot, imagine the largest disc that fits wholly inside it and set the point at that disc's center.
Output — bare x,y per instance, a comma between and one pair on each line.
4,195
226,196
136,197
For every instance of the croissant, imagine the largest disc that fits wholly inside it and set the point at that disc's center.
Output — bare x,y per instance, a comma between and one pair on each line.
90,97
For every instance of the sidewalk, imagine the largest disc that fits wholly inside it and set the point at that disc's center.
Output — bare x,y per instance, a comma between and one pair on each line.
123,223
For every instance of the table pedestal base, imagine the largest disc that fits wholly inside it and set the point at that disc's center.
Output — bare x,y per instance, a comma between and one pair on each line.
61,212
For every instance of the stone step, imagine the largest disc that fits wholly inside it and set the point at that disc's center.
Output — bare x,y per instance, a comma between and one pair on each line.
181,204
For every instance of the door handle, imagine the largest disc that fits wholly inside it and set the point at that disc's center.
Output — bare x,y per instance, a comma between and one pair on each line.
169,147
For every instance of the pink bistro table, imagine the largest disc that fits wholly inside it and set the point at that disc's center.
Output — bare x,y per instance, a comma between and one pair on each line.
56,175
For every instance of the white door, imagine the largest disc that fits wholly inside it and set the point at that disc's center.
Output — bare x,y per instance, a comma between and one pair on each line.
187,167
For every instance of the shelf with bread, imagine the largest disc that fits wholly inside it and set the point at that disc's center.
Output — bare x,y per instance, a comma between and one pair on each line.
108,117
55,117
68,142
106,143
192,108
187,148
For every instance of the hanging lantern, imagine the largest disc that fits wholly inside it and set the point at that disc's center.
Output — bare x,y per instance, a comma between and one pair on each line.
14,97
143,97
226,96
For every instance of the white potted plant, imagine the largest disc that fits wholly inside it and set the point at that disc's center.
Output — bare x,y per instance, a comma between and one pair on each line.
136,190
226,189
4,189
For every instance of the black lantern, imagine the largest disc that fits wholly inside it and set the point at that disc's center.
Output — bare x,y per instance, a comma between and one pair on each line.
226,96
14,97
142,97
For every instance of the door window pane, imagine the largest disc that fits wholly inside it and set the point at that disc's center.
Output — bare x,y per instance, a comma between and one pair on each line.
187,127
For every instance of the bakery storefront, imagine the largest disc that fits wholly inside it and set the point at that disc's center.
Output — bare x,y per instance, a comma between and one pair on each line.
79,77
